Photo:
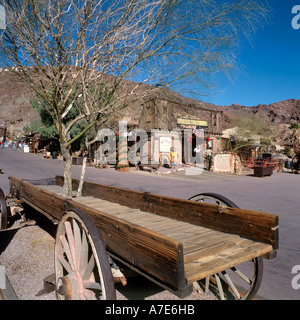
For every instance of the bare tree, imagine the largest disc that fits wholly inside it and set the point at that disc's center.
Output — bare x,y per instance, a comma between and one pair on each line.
76,54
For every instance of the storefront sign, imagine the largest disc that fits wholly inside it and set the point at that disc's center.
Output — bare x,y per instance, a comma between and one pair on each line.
224,163
165,144
26,149
190,122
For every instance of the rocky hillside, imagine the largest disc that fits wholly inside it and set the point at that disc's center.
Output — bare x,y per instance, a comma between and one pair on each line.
16,109
280,114
283,112
15,105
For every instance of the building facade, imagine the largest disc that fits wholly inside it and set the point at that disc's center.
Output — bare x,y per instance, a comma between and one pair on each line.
169,124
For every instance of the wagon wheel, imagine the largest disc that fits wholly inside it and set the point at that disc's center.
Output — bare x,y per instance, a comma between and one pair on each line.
81,263
239,282
3,211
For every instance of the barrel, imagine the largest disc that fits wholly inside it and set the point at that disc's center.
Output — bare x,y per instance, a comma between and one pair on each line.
288,164
54,154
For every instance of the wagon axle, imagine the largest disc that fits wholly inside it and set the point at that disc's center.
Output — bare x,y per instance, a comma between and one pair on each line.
63,287
72,286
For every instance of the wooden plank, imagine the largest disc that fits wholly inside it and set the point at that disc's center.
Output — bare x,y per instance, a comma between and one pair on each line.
152,252
82,199
47,201
103,204
109,207
119,212
190,241
206,251
191,251
220,260
55,189
213,249
51,187
96,204
86,200
177,232
258,226
213,237
124,212
15,186
132,215
153,220
169,225
137,217
194,241
175,229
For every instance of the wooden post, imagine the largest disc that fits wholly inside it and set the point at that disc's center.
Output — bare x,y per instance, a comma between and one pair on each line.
123,164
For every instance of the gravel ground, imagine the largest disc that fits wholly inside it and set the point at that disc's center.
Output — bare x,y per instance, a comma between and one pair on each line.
28,259
27,254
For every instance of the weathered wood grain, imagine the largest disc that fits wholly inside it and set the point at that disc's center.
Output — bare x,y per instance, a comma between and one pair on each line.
48,201
176,241
155,254
257,226
146,249
222,257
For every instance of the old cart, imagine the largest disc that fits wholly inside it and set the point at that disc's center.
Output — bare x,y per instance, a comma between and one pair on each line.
173,242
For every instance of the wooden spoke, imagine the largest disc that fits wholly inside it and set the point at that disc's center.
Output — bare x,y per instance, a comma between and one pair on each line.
231,285
64,263
83,253
81,263
220,288
92,285
77,243
89,269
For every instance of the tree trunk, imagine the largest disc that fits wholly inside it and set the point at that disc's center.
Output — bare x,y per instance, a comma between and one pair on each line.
67,188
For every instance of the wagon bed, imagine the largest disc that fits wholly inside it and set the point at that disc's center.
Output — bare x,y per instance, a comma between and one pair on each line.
173,242
205,251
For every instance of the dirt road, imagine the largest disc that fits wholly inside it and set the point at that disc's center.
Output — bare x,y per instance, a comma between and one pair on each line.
277,194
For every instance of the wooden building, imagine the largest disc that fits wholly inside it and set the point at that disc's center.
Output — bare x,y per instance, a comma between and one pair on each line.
166,123
3,132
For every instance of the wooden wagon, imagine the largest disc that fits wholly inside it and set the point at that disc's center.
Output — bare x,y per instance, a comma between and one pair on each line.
173,242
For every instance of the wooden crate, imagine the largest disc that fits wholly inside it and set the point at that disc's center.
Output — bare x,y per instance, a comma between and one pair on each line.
263,171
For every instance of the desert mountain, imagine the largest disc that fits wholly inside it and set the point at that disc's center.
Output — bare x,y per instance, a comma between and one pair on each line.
15,108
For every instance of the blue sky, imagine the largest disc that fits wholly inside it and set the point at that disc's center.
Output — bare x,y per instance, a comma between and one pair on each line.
270,65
